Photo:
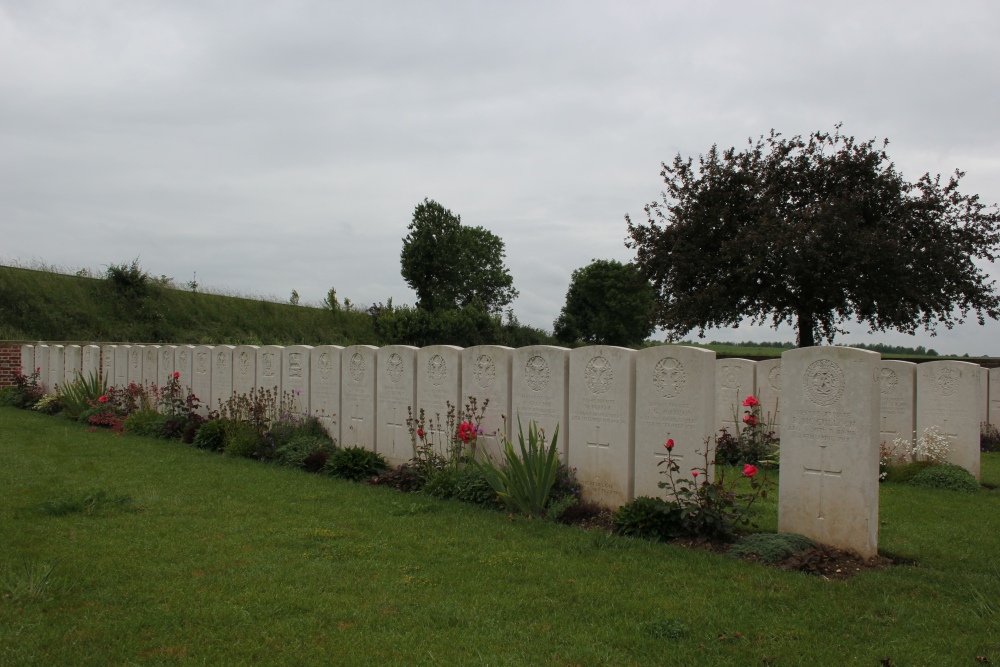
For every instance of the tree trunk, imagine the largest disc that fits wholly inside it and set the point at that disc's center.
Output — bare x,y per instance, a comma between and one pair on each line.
807,334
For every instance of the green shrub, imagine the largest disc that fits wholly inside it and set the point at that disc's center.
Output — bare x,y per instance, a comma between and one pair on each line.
902,474
647,518
524,482
770,547
9,397
211,436
946,476
48,405
149,423
471,486
303,452
81,393
289,427
442,482
242,440
355,464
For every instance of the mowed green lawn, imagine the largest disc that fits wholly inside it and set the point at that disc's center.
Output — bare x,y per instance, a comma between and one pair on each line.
226,562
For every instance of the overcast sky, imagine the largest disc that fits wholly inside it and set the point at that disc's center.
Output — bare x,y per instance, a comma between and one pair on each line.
278,146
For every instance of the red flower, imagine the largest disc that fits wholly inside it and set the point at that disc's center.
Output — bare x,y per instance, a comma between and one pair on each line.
750,402
749,470
694,473
103,399
750,420
670,444
420,432
466,432
177,375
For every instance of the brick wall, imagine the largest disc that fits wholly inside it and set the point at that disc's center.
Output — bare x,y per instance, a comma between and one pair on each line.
10,363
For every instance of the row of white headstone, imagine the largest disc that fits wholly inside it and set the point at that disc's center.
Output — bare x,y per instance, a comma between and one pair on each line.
615,407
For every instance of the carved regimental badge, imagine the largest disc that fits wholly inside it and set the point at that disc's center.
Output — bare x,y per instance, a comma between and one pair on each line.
202,363
823,382
669,377
887,380
357,367
394,367
244,363
135,359
184,358
730,377
220,362
437,369
168,358
267,368
485,371
150,356
325,365
774,378
598,375
536,373
294,364
946,381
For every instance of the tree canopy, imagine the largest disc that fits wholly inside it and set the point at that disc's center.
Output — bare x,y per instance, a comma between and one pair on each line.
607,303
813,232
450,265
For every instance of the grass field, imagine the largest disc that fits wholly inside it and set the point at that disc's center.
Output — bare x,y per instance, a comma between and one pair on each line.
168,555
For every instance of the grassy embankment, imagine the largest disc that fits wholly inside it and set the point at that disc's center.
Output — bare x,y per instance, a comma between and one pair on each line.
168,555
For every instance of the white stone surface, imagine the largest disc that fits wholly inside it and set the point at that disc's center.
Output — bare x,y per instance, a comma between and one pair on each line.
107,365
948,396
165,366
397,392
295,367
439,381
324,395
897,381
151,366
201,377
734,381
184,365
222,375
91,364
42,366
121,366
828,479
675,398
768,384
269,369
73,361
357,386
602,412
486,375
27,359
135,355
984,394
994,393
539,391
57,369
244,369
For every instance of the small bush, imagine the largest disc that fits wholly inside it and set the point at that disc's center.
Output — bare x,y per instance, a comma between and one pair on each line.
471,486
300,449
902,474
770,547
404,478
211,436
946,476
355,464
48,405
146,422
442,483
288,428
9,397
989,438
647,518
242,440
81,393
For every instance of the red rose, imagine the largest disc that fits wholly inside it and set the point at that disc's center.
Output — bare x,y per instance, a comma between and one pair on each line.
103,399
177,375
694,473
670,444
749,470
750,402
750,420
420,432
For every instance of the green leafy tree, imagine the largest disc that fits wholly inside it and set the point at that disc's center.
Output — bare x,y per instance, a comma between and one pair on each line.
607,303
451,266
813,232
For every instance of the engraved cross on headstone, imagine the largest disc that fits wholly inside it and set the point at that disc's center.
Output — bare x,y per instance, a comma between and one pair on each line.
885,434
357,421
395,424
599,449
822,472
949,432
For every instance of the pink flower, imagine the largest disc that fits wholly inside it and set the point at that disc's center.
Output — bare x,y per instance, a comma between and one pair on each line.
103,399
670,444
177,375
466,432
694,473
750,420
750,402
749,470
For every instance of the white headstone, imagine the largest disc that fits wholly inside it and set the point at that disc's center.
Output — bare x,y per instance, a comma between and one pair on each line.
74,364
539,391
122,366
201,377
768,380
184,366
42,366
486,374
165,366
151,366
897,381
948,396
295,376
222,375
734,381
324,394
602,416
135,365
27,359
984,393
91,366
994,393
269,369
439,382
57,369
397,392
675,399
244,369
107,365
357,387
828,478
